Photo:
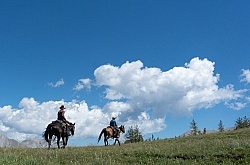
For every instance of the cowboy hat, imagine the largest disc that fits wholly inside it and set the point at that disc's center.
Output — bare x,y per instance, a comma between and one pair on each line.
62,107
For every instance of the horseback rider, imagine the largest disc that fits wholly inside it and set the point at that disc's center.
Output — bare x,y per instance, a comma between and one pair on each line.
63,120
113,125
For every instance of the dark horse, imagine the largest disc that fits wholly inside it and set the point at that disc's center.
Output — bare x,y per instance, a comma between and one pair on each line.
109,133
55,128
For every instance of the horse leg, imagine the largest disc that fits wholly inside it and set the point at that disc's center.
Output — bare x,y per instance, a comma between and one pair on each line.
50,138
105,141
62,141
49,143
118,142
65,141
58,140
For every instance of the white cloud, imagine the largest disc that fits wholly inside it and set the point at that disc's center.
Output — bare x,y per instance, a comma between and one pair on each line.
245,76
56,84
236,105
178,91
148,125
83,83
32,117
136,95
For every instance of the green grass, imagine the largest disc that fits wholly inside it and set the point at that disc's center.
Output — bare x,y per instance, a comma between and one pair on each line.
227,148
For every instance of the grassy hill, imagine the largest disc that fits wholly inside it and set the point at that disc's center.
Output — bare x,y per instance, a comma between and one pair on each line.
231,147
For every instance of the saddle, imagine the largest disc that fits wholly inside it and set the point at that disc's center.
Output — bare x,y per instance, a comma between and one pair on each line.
63,125
115,130
57,121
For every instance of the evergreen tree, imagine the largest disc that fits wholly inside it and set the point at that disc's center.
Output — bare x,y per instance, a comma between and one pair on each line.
194,127
246,122
133,134
153,137
239,123
242,123
220,126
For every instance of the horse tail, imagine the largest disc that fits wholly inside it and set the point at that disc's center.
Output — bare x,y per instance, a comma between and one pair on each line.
103,130
46,133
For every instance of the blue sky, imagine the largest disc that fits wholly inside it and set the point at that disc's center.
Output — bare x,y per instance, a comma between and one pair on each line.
155,64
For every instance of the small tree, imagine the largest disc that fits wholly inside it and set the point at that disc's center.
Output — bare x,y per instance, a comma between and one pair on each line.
220,126
133,134
194,127
242,123
153,138
246,122
239,123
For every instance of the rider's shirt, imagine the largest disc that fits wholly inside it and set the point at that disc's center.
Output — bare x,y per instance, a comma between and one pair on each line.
60,115
113,123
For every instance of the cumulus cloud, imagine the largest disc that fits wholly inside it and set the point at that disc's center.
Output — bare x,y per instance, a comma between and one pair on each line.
135,94
245,76
31,118
56,84
178,91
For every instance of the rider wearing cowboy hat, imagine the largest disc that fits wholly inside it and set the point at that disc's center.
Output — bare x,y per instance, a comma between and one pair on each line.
61,117
113,125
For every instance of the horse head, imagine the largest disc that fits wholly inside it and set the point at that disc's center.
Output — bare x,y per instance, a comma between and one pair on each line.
72,128
122,128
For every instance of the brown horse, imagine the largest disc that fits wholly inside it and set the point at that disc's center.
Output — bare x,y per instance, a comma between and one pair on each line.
55,128
109,133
